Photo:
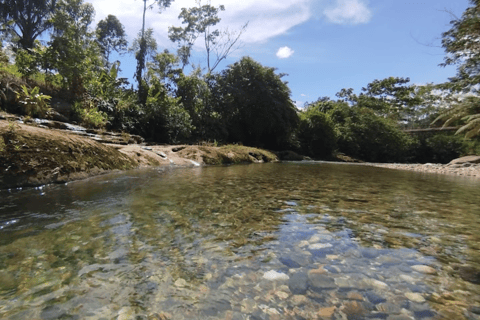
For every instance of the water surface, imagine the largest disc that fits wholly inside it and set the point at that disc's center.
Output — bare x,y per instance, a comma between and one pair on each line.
265,241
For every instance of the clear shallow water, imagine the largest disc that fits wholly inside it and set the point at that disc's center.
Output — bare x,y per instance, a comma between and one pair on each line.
269,241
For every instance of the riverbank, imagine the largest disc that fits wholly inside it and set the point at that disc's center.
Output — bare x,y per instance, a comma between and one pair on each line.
468,166
32,156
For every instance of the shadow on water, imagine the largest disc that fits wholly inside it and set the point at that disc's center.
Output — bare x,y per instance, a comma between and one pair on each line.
271,241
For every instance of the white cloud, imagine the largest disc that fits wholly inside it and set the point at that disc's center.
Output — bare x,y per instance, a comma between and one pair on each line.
299,104
348,12
284,52
267,19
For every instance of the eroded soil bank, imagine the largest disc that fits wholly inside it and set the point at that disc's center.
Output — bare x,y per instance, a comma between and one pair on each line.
32,156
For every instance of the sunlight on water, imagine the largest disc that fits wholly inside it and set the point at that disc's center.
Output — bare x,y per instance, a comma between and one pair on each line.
270,241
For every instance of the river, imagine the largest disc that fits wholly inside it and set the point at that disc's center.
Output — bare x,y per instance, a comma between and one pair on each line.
296,240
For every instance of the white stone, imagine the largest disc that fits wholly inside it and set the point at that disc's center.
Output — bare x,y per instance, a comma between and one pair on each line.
424,269
180,283
303,243
318,246
274,275
415,297
376,283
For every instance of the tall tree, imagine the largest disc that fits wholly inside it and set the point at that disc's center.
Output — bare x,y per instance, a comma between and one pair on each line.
256,105
461,44
111,36
199,20
26,20
390,97
141,53
72,49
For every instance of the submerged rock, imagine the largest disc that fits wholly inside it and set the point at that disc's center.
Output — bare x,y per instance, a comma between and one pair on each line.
415,297
424,269
298,283
274,275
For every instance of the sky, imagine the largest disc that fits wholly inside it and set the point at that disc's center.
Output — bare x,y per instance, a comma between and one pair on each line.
322,45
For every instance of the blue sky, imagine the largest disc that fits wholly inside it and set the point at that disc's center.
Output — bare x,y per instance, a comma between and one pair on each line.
323,45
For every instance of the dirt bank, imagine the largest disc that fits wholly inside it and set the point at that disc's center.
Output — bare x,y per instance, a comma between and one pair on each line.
31,156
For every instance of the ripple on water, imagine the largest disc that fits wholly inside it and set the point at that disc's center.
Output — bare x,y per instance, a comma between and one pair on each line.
244,242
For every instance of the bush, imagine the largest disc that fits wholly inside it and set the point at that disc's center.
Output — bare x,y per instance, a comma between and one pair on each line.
366,136
316,133
438,148
34,103
89,115
164,118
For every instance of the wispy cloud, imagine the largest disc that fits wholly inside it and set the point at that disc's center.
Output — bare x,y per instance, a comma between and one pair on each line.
267,19
348,12
284,52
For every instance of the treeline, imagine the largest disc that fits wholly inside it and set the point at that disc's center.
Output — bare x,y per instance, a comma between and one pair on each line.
245,103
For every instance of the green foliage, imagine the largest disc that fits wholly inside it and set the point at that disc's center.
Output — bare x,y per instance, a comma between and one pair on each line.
89,115
255,105
72,51
165,68
316,133
141,50
26,20
34,103
390,97
364,135
198,21
106,85
467,113
461,47
26,62
164,119
437,148
111,36
144,47
195,96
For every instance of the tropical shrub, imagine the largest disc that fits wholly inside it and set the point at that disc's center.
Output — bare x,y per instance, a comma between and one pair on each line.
34,103
366,136
438,148
316,133
164,118
88,114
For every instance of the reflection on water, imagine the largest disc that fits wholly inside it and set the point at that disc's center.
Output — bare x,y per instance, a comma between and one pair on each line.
271,241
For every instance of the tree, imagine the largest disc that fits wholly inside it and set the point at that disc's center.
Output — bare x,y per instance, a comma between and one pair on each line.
316,132
111,36
390,97
462,49
364,135
256,105
140,55
198,22
26,20
72,50
145,48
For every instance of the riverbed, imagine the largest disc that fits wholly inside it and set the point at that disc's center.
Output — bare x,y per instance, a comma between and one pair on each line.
298,240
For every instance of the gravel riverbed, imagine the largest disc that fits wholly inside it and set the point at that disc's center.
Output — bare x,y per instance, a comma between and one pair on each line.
465,166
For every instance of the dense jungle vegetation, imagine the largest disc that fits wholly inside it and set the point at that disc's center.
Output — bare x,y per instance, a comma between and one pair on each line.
246,103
